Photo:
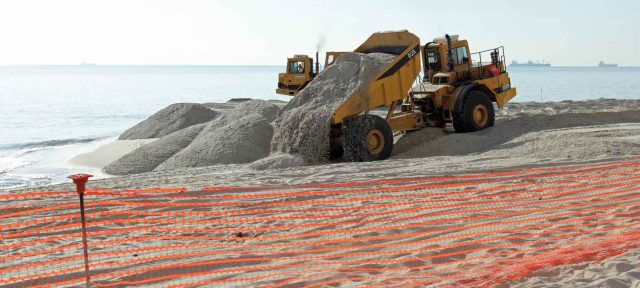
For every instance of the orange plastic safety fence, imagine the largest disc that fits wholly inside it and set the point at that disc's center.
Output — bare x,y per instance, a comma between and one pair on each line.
28,260
472,230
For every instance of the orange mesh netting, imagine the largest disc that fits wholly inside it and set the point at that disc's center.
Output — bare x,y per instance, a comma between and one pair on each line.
470,230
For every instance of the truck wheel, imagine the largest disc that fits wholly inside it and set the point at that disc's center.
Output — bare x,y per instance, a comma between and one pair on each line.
477,113
367,138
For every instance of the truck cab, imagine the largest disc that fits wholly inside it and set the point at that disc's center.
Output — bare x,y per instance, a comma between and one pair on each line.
459,86
299,74
439,66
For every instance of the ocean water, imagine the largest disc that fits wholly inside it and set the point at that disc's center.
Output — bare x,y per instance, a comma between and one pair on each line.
50,113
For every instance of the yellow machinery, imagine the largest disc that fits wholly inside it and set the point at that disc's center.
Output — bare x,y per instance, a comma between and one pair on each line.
454,89
331,58
300,72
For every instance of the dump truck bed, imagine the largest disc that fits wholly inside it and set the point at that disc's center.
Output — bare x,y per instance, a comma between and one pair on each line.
393,82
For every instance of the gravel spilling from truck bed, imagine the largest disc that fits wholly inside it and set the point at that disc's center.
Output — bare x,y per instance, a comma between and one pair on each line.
303,126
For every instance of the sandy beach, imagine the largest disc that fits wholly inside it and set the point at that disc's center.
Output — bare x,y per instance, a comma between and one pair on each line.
528,138
620,271
108,153
468,230
293,144
526,135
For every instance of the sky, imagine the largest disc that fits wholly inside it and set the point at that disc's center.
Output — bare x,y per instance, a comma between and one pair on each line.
265,32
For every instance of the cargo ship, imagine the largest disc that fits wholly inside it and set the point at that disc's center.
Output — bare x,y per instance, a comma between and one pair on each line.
607,65
530,64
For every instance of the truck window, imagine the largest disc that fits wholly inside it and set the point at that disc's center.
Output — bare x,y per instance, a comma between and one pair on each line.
296,67
433,57
460,55
330,59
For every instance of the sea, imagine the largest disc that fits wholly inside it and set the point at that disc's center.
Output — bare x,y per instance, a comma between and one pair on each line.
48,114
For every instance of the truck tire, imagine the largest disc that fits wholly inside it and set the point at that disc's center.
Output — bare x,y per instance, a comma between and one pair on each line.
477,113
367,138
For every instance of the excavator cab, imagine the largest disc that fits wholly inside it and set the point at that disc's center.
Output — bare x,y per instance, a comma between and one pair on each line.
299,74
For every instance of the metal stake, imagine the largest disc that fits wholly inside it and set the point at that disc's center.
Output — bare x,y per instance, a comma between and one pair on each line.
81,180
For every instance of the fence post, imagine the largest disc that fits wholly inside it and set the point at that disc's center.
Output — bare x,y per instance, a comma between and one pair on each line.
81,180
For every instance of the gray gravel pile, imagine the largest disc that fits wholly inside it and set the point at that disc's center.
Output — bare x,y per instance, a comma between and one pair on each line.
241,135
168,120
149,156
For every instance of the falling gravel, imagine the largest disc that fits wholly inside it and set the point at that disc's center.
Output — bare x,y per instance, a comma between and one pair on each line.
168,120
303,125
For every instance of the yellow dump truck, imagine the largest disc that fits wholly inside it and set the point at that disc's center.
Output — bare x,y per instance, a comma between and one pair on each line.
456,88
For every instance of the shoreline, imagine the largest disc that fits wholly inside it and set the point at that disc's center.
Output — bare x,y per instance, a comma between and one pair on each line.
107,153
527,122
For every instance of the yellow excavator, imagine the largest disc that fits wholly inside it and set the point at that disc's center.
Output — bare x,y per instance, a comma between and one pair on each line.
300,72
458,87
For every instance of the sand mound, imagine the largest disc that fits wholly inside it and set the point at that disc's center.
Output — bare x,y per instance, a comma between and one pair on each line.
525,136
519,109
148,157
278,102
168,120
278,161
303,125
239,100
219,107
241,135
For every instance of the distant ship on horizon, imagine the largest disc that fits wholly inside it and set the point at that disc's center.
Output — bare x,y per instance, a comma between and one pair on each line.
601,64
531,64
